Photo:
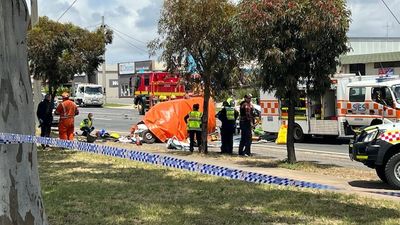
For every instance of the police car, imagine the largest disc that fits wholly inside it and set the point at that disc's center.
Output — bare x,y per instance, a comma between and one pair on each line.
378,147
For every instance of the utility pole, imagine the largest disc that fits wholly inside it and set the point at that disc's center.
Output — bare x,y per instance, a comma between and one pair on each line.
37,84
104,79
34,13
387,30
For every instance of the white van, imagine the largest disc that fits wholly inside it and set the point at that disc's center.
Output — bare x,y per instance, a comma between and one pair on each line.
88,94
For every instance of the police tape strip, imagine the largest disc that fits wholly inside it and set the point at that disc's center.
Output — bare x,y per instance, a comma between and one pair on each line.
167,161
387,193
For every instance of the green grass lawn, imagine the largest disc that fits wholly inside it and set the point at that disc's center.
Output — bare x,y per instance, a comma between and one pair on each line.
86,189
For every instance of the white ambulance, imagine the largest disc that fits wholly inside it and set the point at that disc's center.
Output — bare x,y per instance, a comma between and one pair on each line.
352,101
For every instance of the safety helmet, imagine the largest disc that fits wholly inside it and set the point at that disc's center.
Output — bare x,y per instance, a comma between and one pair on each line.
65,95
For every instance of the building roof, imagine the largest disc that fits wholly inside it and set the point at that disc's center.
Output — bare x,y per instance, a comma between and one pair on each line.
375,83
370,58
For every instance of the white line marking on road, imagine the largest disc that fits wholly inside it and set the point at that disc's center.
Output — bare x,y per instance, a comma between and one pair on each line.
337,154
96,118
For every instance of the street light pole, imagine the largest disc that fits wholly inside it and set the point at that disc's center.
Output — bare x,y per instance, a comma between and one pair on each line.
104,79
37,84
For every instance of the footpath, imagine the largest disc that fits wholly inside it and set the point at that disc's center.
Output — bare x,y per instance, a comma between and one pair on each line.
367,185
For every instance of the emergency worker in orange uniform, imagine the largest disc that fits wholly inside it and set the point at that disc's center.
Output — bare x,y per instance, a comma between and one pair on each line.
67,111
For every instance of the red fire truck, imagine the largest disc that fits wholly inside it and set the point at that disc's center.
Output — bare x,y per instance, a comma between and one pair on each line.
149,88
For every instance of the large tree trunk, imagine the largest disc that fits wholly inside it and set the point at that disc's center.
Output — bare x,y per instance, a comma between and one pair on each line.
291,154
91,77
20,196
204,131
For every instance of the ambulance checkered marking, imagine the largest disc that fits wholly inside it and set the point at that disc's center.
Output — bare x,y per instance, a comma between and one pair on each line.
164,161
366,108
392,136
270,107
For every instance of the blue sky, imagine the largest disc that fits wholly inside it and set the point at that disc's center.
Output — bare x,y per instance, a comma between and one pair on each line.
135,21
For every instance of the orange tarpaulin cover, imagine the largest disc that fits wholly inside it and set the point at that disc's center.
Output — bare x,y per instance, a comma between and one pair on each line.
166,119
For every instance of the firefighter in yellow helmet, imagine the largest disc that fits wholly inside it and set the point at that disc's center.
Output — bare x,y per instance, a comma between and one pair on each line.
193,121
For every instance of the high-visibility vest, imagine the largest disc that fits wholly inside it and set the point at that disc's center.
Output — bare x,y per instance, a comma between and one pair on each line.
194,121
230,113
86,123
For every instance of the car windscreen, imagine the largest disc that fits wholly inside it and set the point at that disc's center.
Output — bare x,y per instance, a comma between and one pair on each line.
93,90
396,91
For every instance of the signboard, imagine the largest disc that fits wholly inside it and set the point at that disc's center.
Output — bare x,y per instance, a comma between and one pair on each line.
113,83
126,68
144,66
386,71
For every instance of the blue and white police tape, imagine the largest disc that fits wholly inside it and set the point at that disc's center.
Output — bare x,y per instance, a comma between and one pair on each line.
387,193
163,160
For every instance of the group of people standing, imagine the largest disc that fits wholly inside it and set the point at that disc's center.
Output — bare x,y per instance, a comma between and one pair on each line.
228,116
67,110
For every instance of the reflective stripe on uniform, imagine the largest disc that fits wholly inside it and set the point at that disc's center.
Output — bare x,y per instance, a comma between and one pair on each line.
86,123
230,113
64,116
194,121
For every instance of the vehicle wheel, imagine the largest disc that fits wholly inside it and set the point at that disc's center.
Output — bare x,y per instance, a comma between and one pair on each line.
392,171
148,137
380,171
298,134
141,108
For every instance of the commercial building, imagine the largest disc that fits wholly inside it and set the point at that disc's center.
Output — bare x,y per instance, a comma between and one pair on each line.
367,56
118,88
371,56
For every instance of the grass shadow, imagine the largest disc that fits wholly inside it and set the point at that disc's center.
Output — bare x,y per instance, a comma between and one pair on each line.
102,190
284,164
375,184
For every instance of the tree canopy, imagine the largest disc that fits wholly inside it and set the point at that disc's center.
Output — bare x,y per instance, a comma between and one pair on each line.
294,42
202,30
57,51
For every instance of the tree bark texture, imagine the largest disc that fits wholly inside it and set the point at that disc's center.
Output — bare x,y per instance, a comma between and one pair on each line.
291,154
204,131
20,196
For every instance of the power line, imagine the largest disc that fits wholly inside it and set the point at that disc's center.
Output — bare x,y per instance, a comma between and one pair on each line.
128,35
66,10
138,48
391,11
95,25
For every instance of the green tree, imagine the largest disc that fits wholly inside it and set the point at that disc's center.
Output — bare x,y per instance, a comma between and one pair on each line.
57,51
294,42
204,30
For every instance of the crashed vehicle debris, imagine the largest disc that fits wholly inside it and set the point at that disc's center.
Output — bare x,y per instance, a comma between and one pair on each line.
165,120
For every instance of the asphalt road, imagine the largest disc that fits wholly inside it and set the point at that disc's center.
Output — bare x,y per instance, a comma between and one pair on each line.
121,119
316,149
110,119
